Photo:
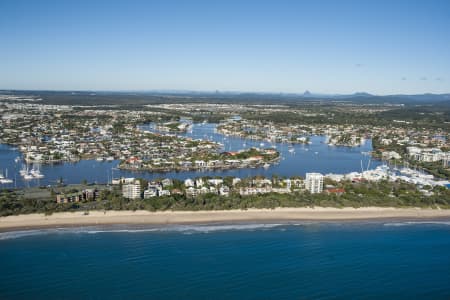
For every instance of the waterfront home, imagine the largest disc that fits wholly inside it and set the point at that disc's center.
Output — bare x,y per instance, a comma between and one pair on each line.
200,163
335,177
176,192
215,181
254,191
191,192
155,185
214,163
235,181
259,182
282,190
199,182
287,182
203,190
189,182
297,182
163,193
133,162
336,191
387,155
252,159
185,164
224,191
233,162
150,192
166,182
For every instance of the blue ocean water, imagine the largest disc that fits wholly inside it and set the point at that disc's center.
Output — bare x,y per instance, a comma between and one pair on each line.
354,260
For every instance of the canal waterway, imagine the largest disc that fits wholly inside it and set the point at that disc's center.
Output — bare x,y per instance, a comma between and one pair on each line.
297,159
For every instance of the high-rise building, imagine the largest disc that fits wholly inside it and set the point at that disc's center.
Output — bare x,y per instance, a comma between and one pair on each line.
314,182
132,190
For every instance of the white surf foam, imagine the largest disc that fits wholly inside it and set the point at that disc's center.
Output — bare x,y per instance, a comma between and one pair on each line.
185,229
24,233
411,223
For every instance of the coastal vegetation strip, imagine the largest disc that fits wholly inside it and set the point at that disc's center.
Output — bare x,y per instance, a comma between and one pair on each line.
336,194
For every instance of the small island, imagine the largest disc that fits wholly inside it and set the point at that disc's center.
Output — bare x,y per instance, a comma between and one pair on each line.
201,160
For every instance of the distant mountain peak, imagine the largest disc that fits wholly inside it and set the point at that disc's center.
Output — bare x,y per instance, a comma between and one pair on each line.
307,93
362,94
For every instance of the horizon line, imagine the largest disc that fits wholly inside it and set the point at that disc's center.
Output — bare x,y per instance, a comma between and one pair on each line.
180,91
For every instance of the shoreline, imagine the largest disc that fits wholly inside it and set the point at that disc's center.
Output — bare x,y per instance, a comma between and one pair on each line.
67,219
194,168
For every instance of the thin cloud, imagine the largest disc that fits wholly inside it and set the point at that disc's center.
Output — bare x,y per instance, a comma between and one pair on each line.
423,78
403,78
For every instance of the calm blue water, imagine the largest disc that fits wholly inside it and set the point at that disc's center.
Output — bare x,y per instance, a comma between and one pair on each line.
382,260
316,157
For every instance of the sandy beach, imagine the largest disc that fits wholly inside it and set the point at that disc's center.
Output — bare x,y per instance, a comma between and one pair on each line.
183,217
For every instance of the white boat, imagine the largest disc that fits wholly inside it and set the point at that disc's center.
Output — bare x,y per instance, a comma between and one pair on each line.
28,177
17,159
5,179
99,159
266,165
110,158
38,174
24,171
406,171
292,150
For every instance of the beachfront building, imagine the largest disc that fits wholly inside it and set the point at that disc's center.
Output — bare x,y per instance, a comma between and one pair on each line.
73,197
314,183
132,190
150,193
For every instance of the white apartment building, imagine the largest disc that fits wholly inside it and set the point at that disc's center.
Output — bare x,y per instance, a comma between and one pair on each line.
314,182
132,190
427,154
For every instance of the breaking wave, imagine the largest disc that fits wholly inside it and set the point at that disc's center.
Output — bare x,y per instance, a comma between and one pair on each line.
184,229
411,223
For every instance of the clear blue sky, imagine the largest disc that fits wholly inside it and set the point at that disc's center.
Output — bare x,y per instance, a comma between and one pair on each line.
381,47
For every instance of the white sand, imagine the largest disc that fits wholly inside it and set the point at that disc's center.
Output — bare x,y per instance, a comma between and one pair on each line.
177,217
